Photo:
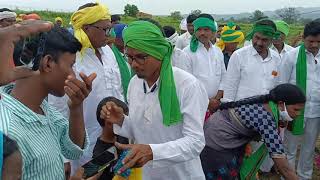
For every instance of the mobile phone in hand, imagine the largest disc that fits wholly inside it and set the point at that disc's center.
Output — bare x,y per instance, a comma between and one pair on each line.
99,163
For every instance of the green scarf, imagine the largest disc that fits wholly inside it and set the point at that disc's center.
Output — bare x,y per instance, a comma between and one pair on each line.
124,70
251,164
147,37
301,80
265,30
200,23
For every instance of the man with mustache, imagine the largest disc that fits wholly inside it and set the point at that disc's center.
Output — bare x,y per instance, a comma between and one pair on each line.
205,61
253,69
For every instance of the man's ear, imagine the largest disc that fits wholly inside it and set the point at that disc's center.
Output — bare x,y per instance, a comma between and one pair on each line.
281,105
47,64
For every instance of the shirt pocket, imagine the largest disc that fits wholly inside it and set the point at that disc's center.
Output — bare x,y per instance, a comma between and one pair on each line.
273,78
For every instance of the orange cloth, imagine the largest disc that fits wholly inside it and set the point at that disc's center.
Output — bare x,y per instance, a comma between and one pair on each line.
33,16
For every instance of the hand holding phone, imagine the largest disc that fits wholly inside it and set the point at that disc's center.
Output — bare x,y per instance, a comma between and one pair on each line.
99,163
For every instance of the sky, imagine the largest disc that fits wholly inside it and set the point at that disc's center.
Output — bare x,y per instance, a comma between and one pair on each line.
164,7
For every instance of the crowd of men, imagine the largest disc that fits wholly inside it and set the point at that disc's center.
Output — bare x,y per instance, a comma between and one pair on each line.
67,95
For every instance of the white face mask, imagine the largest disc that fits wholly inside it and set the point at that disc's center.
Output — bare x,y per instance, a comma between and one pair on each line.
284,115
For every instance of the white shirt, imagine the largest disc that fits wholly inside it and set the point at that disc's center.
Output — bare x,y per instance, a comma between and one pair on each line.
107,83
183,40
207,66
177,57
176,148
250,75
288,75
285,50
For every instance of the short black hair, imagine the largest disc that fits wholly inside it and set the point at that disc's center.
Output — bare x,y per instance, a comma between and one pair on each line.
168,31
288,93
5,9
57,41
87,5
115,17
312,28
191,18
204,15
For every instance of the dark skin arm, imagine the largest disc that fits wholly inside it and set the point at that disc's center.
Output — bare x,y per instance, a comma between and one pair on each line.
284,168
215,102
77,91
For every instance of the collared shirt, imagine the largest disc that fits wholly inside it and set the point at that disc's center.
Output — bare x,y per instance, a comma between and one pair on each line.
183,40
43,139
107,83
288,75
285,50
250,75
207,66
177,57
175,148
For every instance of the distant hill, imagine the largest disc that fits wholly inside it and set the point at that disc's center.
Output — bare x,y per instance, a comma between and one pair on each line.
306,13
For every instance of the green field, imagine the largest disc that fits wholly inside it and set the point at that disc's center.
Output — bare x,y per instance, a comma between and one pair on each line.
295,30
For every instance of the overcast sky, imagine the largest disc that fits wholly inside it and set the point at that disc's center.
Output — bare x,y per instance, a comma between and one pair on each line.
163,7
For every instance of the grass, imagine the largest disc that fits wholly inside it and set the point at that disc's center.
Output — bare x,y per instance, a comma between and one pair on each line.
295,29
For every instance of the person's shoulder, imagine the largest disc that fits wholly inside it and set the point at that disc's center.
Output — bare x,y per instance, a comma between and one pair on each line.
292,54
106,49
288,47
182,78
274,53
187,49
53,114
135,80
217,50
6,113
243,50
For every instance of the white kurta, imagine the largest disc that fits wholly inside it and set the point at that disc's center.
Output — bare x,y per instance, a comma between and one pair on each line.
175,148
177,57
107,83
288,75
284,51
207,66
250,75
183,40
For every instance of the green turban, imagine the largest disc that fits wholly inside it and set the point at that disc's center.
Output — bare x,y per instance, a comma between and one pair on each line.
266,30
282,27
148,38
201,23
112,33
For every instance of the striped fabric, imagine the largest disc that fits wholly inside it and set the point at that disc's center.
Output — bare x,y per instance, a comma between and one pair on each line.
42,139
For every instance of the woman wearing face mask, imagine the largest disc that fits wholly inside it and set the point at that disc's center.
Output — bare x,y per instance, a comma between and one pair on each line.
227,154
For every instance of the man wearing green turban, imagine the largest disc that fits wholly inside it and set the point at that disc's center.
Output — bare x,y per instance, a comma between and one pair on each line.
92,23
254,69
205,61
166,109
279,44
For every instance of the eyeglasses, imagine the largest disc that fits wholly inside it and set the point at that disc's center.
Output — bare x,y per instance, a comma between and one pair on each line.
139,59
106,30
